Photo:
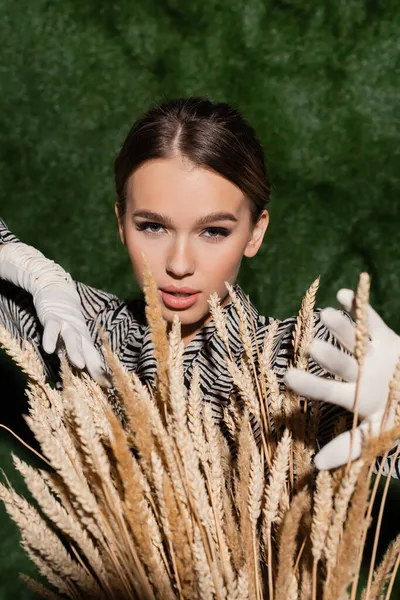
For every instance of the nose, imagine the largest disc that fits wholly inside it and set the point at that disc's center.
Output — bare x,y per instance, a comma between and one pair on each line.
180,261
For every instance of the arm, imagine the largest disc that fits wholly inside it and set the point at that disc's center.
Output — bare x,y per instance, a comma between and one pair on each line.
55,299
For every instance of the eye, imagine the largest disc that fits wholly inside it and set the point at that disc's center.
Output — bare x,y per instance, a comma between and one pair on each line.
219,232
216,233
145,226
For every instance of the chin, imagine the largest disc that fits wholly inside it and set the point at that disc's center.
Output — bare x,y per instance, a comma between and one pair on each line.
186,317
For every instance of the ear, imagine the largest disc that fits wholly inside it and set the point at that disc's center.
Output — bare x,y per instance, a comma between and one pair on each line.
120,223
257,235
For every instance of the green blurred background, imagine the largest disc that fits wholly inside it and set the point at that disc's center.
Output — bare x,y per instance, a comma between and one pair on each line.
318,80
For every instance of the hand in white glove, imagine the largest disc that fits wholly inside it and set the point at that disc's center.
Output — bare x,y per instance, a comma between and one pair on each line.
382,355
57,304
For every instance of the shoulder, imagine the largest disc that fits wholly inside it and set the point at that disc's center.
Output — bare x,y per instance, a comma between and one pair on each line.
6,236
97,304
95,301
122,319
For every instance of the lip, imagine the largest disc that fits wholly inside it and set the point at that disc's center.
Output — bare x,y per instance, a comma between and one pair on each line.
182,302
184,290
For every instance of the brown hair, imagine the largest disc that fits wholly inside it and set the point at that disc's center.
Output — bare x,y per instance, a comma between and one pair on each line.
210,135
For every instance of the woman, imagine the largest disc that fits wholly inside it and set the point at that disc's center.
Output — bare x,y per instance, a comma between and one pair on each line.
192,192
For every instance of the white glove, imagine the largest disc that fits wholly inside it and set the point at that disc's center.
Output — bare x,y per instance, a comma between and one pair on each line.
57,305
382,355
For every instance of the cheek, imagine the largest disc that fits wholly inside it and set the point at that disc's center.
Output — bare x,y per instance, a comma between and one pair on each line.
135,248
224,258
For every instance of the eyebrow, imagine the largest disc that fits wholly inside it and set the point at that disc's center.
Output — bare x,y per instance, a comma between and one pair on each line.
210,218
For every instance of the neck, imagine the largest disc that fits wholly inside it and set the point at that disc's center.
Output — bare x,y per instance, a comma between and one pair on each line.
190,331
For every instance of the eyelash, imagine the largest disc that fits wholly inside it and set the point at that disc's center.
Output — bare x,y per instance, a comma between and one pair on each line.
222,232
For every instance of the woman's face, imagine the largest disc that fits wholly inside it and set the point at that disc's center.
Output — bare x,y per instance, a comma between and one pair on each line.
181,250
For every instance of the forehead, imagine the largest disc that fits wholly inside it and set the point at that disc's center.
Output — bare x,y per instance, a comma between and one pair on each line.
176,187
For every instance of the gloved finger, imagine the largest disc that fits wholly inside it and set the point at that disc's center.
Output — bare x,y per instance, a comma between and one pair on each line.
343,330
334,360
94,364
51,332
336,453
375,322
320,388
73,345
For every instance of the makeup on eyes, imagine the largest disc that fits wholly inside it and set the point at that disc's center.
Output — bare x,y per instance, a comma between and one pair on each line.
221,232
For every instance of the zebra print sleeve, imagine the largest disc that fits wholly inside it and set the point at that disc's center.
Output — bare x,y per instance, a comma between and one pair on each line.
5,234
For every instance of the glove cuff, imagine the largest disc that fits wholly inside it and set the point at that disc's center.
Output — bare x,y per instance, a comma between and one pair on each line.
29,269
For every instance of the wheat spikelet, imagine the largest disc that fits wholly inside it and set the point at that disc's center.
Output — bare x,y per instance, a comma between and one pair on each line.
219,319
393,401
275,398
283,507
60,583
341,502
230,423
232,533
243,585
293,590
322,513
244,332
158,474
26,357
97,405
38,588
216,479
256,481
361,306
158,329
323,507
250,392
244,458
287,547
302,334
306,584
203,571
302,337
304,329
384,570
242,380
194,414
277,481
397,415
178,392
268,344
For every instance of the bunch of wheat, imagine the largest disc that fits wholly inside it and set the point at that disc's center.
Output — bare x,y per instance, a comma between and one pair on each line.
166,507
